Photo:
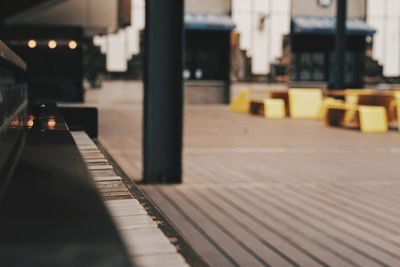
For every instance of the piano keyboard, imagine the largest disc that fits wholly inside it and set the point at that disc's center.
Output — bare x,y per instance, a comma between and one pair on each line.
146,243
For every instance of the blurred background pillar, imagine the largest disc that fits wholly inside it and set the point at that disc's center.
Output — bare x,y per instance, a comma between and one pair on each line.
340,43
163,91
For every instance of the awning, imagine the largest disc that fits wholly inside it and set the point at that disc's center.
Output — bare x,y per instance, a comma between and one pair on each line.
200,21
325,25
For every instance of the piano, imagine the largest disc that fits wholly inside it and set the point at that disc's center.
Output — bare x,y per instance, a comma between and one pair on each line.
63,201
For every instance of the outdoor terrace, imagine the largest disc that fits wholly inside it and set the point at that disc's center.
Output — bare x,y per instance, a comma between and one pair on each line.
260,192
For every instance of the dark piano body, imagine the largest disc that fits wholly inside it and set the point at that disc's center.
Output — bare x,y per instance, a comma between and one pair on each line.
50,212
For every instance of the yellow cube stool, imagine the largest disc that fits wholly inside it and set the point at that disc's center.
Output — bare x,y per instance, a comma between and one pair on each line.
397,107
352,100
373,119
398,113
274,108
241,103
305,103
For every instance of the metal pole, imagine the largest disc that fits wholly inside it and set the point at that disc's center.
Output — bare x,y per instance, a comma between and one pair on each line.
340,43
163,92
227,89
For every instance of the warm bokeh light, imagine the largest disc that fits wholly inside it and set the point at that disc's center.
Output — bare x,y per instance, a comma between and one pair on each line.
30,121
51,123
72,44
15,122
52,44
32,43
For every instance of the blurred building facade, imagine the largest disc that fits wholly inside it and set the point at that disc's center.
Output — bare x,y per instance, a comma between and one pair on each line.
208,29
226,40
312,43
265,26
264,45
384,16
262,26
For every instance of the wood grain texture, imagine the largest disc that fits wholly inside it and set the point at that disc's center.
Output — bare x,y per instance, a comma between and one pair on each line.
262,192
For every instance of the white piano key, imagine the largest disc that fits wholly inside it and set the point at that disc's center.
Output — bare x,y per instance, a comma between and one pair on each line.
100,167
143,233
107,178
138,225
121,202
133,219
102,173
86,148
122,213
91,152
126,208
92,157
90,161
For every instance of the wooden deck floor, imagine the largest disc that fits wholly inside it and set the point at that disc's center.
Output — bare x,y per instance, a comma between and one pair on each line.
274,193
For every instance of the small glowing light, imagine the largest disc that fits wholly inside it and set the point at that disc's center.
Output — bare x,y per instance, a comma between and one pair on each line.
52,44
198,74
51,123
72,44
30,121
15,122
32,43
186,74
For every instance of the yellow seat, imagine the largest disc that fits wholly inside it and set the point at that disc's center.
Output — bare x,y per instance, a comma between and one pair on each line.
241,102
352,95
351,100
274,108
305,103
373,119
328,103
398,112
397,107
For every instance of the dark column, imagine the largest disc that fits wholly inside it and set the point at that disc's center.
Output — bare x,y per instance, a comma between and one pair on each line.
228,83
163,92
340,43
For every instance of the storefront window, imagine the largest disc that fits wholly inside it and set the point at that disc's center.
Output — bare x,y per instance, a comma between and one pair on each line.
353,72
309,67
318,67
305,67
207,55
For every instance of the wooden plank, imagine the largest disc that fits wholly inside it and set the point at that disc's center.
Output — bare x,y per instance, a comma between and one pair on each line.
200,240
332,214
279,242
343,239
289,229
239,253
271,255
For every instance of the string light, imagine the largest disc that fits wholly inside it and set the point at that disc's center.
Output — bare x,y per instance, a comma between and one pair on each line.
32,43
72,44
52,44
